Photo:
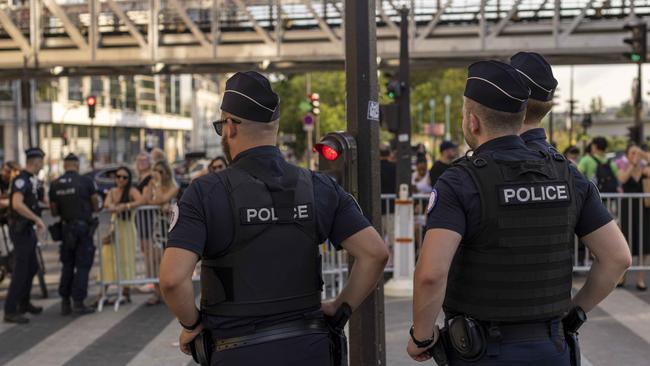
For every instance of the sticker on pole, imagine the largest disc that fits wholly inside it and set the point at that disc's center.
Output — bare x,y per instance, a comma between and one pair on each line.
432,200
373,110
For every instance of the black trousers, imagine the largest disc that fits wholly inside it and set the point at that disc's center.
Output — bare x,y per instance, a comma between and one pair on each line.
312,350
25,241
77,254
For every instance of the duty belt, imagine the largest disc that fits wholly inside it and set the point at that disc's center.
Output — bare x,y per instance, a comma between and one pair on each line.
273,333
527,331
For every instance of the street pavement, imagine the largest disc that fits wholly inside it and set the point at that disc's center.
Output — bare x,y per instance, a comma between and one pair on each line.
617,333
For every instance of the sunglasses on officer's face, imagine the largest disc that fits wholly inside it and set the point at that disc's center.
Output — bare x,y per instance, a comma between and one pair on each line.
218,125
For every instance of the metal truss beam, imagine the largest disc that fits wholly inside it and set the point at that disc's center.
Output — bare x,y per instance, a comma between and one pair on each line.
430,28
321,23
256,25
130,26
15,33
182,12
577,20
504,22
71,29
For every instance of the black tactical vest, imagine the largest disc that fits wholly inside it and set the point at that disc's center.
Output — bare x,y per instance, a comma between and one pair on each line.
30,199
273,265
72,203
518,266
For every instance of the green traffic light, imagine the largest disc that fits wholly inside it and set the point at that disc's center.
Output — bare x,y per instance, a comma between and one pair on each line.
391,95
635,57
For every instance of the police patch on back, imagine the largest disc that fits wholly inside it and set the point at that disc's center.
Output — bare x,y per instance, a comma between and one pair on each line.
523,194
268,215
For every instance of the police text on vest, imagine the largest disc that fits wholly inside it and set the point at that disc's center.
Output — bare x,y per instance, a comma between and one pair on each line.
266,215
522,194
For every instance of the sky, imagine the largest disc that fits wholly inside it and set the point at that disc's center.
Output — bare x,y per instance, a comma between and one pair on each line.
612,83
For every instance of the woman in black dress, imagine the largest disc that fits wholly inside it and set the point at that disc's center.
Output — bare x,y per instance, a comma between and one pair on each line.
635,217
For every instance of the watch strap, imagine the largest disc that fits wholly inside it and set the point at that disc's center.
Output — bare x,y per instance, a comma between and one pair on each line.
193,326
421,344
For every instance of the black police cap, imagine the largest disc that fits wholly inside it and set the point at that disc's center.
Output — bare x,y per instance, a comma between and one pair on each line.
249,95
34,152
537,73
71,157
497,86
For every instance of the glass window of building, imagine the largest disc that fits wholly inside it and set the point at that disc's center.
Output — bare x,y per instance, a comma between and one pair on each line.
47,91
6,91
146,94
172,90
97,89
130,93
116,92
75,89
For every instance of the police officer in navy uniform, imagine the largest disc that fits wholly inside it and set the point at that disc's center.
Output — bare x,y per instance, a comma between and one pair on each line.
24,215
536,72
500,232
256,226
74,197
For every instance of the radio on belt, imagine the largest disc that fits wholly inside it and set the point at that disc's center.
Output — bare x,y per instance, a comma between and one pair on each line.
337,157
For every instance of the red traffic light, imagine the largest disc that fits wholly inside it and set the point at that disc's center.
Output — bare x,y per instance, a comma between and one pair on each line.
91,101
328,152
314,96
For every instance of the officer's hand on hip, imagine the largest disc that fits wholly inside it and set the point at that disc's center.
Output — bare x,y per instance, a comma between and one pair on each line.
421,354
40,225
187,337
328,308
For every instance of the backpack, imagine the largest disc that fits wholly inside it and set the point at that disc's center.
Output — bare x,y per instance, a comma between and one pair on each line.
605,179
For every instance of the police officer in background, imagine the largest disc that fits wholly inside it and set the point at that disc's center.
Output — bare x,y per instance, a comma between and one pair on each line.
538,76
500,233
74,197
24,214
256,226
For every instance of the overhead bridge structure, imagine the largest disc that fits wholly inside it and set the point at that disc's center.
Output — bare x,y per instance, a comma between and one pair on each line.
45,38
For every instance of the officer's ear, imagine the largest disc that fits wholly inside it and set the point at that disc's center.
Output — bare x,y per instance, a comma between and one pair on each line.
233,129
475,125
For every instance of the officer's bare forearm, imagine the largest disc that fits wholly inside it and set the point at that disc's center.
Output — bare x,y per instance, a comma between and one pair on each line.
428,295
601,281
362,281
180,300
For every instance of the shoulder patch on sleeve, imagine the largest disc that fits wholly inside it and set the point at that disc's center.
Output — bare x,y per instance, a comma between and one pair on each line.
20,183
433,199
173,216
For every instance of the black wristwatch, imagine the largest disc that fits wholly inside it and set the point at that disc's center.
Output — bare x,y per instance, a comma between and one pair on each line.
192,327
421,344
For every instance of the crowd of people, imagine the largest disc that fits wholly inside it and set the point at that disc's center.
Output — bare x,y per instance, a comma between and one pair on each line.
73,198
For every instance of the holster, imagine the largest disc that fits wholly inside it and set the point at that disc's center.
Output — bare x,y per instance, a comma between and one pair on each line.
338,340
56,231
202,347
572,322
467,338
437,351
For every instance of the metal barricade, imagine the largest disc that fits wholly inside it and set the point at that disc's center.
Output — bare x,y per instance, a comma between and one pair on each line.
334,266
130,249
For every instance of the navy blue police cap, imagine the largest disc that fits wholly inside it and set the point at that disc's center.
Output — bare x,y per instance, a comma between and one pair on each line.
34,152
497,86
249,95
537,73
71,157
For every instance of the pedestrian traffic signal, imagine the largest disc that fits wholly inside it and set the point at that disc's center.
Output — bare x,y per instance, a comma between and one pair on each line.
637,41
315,103
393,87
337,153
91,102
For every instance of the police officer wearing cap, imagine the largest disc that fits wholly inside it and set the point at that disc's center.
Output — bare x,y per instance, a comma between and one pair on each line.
496,257
256,227
24,215
536,72
74,198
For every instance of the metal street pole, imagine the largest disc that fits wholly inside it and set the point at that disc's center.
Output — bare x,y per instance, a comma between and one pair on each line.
638,106
404,129
432,110
92,143
447,117
367,335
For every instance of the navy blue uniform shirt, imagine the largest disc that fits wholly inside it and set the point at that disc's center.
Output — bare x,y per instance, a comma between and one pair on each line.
204,212
535,139
27,184
457,206
79,202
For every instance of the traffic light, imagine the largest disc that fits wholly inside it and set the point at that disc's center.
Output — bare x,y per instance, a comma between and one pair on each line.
315,103
634,134
337,157
394,87
389,117
586,121
637,41
91,102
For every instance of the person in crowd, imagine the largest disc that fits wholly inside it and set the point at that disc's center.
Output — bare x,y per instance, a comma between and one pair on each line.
597,168
157,155
218,164
161,191
121,200
572,154
24,216
74,198
420,177
635,214
387,171
10,170
143,220
143,169
448,153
